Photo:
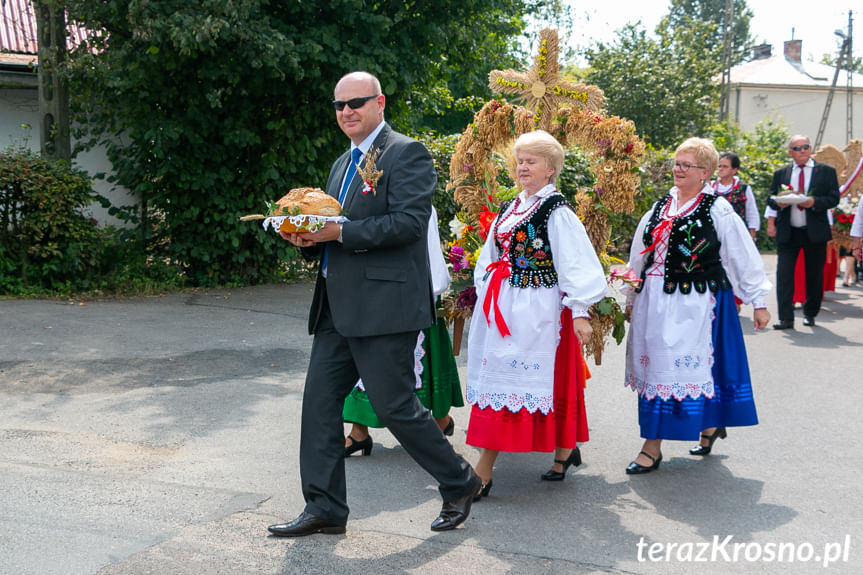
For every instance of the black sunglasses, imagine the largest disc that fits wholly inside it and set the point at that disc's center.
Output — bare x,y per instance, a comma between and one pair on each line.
353,103
795,148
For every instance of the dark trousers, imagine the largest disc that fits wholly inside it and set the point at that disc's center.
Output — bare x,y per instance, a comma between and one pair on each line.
814,255
386,365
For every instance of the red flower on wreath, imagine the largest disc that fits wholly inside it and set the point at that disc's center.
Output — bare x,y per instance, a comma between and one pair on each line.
485,218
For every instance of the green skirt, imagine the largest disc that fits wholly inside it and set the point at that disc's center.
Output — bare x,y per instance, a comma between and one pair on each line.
440,390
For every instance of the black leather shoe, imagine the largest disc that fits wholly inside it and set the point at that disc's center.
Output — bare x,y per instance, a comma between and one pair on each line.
453,513
573,459
784,325
808,320
305,524
365,446
450,427
705,449
636,469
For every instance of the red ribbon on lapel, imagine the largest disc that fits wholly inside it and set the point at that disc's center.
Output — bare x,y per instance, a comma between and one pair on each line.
657,235
499,272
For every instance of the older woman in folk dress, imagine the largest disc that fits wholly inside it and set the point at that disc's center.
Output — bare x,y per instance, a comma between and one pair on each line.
536,277
685,354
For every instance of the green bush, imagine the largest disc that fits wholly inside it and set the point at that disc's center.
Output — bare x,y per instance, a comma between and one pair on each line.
48,243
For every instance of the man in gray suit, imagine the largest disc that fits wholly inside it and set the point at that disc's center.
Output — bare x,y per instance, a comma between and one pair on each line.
373,296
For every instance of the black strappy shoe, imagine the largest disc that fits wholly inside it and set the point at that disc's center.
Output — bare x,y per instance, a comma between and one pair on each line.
484,490
450,427
636,469
699,449
573,459
365,446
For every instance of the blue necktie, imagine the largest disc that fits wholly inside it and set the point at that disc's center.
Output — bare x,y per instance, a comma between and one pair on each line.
349,175
356,153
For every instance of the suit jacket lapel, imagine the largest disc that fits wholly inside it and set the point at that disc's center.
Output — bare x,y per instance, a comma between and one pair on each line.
340,166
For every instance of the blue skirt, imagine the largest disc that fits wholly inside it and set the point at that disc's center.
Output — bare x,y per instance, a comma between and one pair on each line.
732,404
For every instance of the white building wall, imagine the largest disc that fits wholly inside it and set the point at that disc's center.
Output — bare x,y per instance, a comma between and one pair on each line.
800,109
19,127
19,108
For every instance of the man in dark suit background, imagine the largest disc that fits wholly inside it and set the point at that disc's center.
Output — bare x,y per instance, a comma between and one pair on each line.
804,225
372,297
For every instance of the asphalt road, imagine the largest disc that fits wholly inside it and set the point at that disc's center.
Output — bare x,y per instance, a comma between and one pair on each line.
160,435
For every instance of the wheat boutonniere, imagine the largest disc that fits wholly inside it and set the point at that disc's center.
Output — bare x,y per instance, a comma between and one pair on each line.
369,172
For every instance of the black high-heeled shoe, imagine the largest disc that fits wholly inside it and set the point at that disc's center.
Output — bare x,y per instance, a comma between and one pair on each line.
637,469
365,446
484,490
573,459
450,427
705,449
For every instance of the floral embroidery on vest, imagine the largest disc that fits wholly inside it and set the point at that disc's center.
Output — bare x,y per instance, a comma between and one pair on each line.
737,198
693,259
530,250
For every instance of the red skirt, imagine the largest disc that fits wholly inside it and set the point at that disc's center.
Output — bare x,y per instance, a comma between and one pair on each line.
831,268
523,431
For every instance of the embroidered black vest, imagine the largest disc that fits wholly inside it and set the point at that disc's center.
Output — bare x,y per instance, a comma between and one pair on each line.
692,259
530,254
737,198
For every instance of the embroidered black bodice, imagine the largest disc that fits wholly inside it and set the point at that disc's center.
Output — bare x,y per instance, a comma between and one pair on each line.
692,259
737,198
530,254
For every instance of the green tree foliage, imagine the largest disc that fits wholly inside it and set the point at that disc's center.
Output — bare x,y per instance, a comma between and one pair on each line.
856,65
663,84
682,13
213,108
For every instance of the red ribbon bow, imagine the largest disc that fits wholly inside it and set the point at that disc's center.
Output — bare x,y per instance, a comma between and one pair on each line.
499,271
657,235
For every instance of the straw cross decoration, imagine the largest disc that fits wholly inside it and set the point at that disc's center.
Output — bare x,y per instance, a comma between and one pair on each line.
541,89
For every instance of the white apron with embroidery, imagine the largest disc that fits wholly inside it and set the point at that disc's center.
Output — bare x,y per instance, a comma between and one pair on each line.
517,371
669,349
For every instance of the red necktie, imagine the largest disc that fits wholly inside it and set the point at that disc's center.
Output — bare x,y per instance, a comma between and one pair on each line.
801,185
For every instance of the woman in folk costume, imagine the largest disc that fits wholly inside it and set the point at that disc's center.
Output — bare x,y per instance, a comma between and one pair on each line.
685,354
437,382
536,277
738,193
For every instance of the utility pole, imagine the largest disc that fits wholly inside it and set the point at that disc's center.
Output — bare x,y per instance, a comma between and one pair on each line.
53,95
727,44
844,57
849,94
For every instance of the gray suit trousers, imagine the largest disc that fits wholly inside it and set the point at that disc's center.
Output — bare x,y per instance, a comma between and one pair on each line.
385,363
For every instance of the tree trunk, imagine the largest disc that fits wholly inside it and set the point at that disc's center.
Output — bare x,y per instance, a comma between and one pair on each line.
53,94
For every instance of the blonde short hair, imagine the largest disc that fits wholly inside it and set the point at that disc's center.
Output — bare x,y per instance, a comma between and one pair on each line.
703,150
542,144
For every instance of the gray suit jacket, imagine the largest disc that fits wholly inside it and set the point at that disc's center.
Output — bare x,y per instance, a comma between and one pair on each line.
378,280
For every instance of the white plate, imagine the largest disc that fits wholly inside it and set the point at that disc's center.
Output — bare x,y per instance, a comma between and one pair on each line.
792,199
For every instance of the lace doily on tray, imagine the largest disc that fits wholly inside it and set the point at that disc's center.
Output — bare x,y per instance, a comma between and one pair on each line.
306,222
792,199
